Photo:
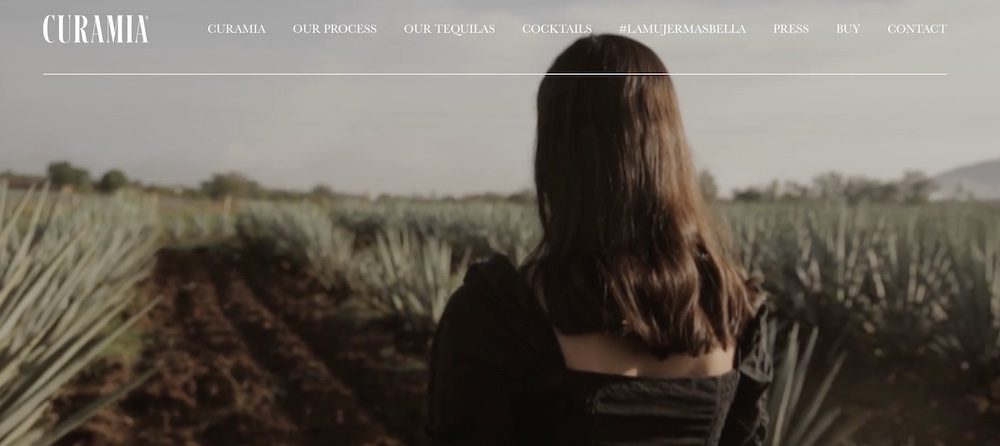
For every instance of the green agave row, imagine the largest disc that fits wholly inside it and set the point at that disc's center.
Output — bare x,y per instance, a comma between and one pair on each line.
302,232
411,269
921,280
505,227
67,272
918,280
796,418
411,276
405,273
196,227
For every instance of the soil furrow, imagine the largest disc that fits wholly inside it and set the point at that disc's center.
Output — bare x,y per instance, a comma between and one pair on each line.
390,383
325,410
209,390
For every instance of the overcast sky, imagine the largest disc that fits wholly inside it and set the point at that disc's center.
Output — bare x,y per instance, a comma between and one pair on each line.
458,135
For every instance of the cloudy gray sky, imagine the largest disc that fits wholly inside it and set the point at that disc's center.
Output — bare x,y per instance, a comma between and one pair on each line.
456,135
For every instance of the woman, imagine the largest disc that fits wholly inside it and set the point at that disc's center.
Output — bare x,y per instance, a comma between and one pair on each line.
630,323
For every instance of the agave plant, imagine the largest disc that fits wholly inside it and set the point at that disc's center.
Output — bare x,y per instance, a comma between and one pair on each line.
886,275
908,268
798,419
66,277
198,227
513,231
814,264
476,225
754,234
411,276
302,231
971,333
902,278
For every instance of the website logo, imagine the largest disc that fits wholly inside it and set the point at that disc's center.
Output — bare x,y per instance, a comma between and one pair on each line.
78,28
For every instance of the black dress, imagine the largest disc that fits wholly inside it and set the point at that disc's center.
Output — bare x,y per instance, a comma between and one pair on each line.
497,377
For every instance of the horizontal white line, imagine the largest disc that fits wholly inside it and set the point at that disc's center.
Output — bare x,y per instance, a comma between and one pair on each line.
418,74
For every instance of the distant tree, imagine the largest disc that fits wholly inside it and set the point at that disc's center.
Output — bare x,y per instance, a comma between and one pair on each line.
887,192
861,189
793,191
280,194
63,174
233,184
772,192
913,188
526,195
112,180
829,186
165,191
748,194
709,188
322,191
916,187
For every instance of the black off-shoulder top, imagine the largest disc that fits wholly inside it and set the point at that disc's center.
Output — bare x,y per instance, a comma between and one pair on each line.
497,377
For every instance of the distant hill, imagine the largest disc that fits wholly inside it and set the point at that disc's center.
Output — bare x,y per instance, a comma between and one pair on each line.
981,180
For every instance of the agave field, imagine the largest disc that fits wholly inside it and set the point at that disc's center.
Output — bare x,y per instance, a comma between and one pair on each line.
308,323
68,269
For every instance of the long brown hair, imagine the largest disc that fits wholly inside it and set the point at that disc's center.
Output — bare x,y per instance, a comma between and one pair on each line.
629,246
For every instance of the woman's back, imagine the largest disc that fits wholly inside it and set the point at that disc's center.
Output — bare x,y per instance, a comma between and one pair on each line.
631,277
604,353
498,376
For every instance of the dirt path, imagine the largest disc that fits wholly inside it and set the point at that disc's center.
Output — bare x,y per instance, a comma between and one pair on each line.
231,372
383,364
324,409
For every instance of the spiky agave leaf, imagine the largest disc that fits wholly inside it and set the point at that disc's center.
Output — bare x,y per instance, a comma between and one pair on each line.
971,334
907,267
411,276
798,419
303,232
65,276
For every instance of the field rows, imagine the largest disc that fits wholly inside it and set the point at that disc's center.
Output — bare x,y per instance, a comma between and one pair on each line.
306,323
230,371
256,352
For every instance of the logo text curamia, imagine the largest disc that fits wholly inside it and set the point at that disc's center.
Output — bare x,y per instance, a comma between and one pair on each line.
77,28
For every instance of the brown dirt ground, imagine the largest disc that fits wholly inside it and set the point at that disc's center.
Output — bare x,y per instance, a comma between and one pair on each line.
231,373
253,352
